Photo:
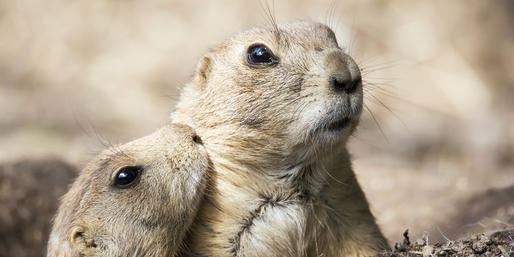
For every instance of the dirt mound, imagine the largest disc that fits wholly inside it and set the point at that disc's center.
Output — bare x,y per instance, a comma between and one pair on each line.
500,243
29,196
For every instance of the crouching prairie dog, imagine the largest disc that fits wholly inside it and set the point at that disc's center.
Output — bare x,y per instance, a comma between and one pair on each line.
137,199
275,107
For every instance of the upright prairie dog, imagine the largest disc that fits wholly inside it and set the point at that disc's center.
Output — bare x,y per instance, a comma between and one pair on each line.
138,199
275,107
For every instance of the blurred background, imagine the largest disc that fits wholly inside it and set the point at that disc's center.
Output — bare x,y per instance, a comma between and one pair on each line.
434,151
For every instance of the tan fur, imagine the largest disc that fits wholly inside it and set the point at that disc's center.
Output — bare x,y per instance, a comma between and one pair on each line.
149,218
283,184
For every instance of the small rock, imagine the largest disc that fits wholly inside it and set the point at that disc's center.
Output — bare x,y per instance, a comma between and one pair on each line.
428,251
486,240
420,242
399,247
406,240
479,247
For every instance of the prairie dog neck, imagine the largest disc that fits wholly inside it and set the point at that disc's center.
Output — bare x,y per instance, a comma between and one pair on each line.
277,212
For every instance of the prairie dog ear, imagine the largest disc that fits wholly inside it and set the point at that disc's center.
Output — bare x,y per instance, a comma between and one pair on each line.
69,245
203,70
81,239
77,236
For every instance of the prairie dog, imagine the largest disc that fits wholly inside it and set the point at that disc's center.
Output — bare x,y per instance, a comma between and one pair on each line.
275,107
137,199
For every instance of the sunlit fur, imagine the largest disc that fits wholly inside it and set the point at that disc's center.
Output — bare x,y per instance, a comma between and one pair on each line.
283,183
151,217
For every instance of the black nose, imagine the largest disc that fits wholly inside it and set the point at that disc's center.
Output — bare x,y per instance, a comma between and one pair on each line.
343,83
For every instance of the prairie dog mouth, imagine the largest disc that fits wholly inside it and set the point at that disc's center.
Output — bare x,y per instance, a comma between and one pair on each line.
338,124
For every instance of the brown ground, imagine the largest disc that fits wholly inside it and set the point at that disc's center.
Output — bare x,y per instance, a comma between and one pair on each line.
78,75
500,243
29,192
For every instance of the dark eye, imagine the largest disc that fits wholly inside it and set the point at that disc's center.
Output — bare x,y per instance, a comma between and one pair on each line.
260,55
126,176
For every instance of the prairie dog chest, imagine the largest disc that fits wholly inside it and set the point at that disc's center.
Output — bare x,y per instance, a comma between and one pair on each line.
287,228
273,229
282,222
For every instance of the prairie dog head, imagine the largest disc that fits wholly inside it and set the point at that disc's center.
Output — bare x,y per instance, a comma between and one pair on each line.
137,199
285,92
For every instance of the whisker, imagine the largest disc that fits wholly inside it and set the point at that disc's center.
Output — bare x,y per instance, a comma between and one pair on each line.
90,131
380,80
271,18
376,122
378,64
329,13
370,70
375,98
352,42
378,84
